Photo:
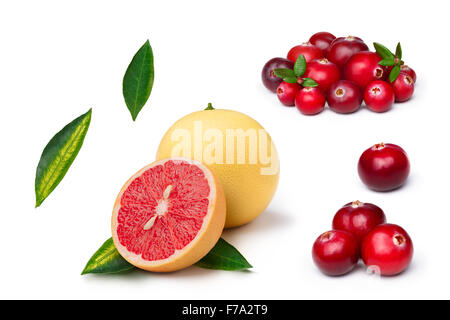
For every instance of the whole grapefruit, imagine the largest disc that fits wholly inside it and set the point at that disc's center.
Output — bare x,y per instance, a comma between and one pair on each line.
237,149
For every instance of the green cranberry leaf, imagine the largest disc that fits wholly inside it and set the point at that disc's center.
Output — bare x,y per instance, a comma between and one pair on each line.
300,66
383,52
398,51
387,62
395,72
308,82
138,80
224,257
58,156
290,79
284,73
107,260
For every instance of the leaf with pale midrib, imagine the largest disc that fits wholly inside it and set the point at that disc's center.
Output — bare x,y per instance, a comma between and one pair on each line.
107,260
59,155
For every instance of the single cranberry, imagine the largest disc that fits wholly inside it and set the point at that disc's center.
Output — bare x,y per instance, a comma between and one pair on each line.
309,51
384,167
409,71
379,96
403,87
336,252
324,72
358,218
322,40
269,79
387,249
363,68
310,101
286,93
344,96
342,49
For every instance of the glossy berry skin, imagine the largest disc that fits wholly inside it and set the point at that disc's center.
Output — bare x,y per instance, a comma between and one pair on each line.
344,96
310,101
403,87
363,68
324,72
286,93
384,167
379,96
388,249
322,40
309,51
335,252
269,79
342,49
358,218
409,71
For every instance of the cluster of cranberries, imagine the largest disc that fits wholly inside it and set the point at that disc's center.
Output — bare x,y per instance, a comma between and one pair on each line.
360,230
344,73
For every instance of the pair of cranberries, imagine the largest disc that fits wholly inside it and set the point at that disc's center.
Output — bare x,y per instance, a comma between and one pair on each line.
308,100
360,230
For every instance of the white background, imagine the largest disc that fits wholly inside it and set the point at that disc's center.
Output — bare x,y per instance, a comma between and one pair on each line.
59,59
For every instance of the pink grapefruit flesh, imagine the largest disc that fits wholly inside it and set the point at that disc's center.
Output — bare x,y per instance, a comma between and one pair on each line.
168,215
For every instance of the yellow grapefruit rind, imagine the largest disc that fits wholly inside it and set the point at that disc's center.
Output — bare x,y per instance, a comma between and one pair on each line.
206,238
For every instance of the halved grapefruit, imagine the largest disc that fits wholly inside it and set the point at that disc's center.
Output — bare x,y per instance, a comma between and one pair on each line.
168,215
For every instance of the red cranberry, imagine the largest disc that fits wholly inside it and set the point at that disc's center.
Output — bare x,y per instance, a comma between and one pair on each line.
286,93
379,96
270,80
322,40
409,71
344,96
358,218
384,167
342,49
310,100
309,51
325,73
403,87
363,68
335,252
387,249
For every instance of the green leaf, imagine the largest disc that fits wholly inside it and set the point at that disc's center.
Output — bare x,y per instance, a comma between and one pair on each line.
398,51
107,260
59,155
383,52
290,79
394,73
138,80
308,82
224,257
284,73
300,66
387,62
209,107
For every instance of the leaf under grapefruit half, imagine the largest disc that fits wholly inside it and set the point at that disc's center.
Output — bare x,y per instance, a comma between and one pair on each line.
168,215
